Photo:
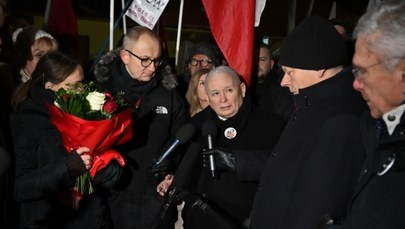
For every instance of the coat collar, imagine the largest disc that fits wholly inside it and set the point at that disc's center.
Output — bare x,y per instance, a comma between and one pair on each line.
320,93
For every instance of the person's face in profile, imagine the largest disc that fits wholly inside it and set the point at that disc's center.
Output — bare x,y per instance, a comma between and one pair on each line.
296,79
381,87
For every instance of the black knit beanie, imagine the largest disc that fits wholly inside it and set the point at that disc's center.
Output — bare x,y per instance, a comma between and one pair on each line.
313,45
205,49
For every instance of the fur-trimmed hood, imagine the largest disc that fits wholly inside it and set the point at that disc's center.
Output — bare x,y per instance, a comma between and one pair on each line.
102,70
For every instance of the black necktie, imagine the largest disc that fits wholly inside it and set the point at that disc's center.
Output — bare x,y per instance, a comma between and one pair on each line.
380,128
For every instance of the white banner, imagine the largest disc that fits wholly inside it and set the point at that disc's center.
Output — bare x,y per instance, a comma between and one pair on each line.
260,4
146,12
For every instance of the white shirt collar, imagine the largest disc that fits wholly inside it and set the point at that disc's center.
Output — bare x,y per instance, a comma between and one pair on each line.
393,117
222,118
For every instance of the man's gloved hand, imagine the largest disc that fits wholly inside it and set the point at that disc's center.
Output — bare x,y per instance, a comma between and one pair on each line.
160,170
224,159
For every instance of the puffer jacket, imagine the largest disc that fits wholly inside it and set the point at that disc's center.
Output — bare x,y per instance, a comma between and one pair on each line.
158,112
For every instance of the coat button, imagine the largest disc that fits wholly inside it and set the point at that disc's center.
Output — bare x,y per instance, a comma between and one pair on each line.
365,171
273,154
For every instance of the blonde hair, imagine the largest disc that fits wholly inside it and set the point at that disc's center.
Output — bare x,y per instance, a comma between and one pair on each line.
191,94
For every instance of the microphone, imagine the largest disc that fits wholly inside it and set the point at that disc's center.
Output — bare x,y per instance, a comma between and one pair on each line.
210,130
181,176
182,136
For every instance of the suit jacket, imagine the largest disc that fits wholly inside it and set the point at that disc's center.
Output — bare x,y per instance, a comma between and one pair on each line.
379,200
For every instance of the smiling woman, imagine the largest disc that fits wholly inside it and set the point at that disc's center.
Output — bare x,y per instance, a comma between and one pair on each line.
30,44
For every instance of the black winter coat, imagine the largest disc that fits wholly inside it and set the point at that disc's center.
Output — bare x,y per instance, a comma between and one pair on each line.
158,113
314,167
250,129
43,181
379,200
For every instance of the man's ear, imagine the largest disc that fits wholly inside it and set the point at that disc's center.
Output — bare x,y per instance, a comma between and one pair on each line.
243,89
124,55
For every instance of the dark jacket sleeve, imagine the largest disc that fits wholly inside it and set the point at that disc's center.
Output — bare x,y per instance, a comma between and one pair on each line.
108,176
40,158
250,165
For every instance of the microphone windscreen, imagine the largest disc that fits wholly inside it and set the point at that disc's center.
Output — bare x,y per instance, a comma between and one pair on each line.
181,176
185,133
209,128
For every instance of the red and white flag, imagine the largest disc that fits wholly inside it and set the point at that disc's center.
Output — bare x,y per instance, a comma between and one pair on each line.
232,24
60,21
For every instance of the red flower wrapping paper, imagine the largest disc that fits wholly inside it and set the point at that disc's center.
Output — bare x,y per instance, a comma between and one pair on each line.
99,136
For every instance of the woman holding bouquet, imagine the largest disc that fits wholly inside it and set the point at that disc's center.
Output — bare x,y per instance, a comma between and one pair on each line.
45,171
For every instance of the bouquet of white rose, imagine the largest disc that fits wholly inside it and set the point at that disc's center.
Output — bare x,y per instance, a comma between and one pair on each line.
88,116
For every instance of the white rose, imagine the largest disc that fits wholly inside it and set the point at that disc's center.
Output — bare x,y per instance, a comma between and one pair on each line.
96,100
56,104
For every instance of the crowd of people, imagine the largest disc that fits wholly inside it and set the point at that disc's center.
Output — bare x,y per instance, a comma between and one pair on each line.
316,141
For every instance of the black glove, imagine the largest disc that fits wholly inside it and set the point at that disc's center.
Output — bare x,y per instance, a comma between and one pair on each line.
224,159
160,170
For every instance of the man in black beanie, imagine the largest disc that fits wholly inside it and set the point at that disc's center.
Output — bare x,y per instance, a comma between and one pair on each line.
201,55
309,176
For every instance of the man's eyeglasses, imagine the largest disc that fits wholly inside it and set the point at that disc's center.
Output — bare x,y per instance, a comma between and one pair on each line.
145,62
203,63
359,72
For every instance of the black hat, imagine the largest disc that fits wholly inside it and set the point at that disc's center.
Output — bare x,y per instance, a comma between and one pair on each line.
205,49
313,45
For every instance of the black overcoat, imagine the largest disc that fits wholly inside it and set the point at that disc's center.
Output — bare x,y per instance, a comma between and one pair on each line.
43,182
314,167
250,129
379,200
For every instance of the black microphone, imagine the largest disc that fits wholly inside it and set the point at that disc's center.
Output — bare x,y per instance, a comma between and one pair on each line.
210,130
182,136
181,176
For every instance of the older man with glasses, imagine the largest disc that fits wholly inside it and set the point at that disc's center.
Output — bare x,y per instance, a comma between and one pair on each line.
158,113
379,69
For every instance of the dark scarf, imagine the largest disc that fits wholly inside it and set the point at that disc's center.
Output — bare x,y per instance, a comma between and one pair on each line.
133,89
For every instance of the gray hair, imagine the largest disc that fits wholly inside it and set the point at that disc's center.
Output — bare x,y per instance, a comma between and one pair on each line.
224,70
384,31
